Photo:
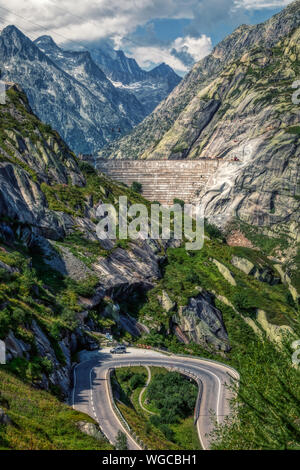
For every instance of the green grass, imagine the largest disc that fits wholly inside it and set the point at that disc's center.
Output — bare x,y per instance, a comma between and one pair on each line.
185,271
40,421
139,420
294,130
41,294
150,436
86,250
186,433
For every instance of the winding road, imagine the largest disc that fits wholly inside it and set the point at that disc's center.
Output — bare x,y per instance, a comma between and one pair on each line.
91,388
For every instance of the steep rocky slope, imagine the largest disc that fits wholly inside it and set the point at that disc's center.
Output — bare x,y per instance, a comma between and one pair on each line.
246,114
61,290
142,142
73,95
48,202
236,106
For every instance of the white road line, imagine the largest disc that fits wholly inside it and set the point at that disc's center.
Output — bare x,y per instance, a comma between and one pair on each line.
199,362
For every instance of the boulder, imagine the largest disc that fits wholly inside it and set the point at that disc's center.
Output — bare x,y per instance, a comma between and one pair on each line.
90,429
243,264
274,333
201,322
166,303
261,273
4,418
225,272
15,347
7,268
287,280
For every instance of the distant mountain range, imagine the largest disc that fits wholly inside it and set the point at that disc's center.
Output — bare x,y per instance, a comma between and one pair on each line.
150,88
71,92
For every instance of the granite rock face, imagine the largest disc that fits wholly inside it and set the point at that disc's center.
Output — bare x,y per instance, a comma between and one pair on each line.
236,107
33,161
262,273
201,322
225,272
149,87
72,95
143,141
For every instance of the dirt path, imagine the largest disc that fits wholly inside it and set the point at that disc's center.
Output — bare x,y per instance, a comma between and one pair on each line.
143,390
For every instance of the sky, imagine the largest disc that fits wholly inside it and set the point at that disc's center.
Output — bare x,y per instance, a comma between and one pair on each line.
177,32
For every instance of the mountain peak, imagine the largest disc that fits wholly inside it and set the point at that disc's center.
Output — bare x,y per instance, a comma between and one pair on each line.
163,67
10,30
13,42
46,42
164,70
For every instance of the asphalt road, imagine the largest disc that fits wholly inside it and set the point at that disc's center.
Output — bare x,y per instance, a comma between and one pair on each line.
90,393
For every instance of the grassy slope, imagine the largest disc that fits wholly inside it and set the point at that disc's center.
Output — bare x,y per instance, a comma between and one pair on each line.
270,387
187,270
40,421
185,431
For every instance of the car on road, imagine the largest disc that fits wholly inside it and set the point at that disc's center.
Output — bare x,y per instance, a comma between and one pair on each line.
120,349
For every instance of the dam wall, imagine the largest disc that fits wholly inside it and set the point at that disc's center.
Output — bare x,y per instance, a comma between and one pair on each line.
162,180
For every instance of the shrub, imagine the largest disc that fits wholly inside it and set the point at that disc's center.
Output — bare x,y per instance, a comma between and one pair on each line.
245,299
213,231
178,201
173,395
137,380
137,187
121,442
168,432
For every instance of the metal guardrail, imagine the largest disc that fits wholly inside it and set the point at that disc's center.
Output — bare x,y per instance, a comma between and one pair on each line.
122,419
191,356
112,399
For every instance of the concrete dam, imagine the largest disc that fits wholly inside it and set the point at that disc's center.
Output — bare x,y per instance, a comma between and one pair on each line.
163,180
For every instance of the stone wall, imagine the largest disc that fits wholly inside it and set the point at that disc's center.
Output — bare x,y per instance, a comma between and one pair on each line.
162,180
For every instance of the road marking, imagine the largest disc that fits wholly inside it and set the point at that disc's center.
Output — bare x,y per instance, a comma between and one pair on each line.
159,357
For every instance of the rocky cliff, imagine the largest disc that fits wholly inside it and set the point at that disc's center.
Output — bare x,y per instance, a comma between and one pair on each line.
68,91
58,277
143,141
236,107
149,87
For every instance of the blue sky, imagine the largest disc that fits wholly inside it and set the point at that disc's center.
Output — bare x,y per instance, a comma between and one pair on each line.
178,32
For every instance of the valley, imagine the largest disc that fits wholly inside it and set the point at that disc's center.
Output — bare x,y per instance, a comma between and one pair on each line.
225,137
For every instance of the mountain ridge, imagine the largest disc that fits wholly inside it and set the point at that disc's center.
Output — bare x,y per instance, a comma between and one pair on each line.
142,141
149,87
84,121
69,91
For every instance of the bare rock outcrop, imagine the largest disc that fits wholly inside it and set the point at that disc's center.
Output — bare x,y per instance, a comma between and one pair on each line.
201,322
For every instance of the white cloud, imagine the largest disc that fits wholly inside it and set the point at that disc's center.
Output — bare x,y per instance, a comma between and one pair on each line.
261,4
93,20
96,19
146,56
197,48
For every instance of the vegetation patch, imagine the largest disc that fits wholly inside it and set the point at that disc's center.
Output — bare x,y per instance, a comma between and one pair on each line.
172,429
39,421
